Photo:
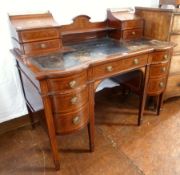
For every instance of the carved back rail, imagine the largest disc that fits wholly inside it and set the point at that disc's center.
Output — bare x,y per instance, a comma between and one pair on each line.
82,29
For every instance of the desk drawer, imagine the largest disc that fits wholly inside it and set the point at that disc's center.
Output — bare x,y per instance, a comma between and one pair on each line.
73,121
38,35
160,56
41,47
108,69
131,24
158,70
67,83
132,34
69,102
156,86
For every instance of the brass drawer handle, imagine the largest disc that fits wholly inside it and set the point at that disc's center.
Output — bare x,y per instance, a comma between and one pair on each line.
43,46
136,61
133,33
165,57
72,84
74,100
163,69
109,68
161,84
76,120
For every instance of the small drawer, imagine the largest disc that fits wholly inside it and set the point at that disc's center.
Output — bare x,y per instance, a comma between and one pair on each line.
160,56
70,122
158,70
67,83
38,35
132,34
70,102
156,86
131,24
108,69
42,47
173,86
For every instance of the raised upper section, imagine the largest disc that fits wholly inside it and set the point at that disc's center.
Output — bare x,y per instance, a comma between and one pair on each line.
39,34
129,26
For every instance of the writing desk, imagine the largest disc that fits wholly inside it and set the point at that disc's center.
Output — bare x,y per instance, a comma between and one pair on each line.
66,78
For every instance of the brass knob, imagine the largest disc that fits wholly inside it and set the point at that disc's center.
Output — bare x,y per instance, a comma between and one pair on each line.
109,68
74,100
43,46
165,57
72,84
76,120
163,69
136,61
133,33
161,84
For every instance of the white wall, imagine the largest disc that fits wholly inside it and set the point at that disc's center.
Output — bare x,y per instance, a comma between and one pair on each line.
11,100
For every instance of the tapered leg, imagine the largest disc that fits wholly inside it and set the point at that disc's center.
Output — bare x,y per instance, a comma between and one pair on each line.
50,124
91,137
159,103
91,127
143,95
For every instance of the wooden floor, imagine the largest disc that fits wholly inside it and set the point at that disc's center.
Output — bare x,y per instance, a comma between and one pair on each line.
122,148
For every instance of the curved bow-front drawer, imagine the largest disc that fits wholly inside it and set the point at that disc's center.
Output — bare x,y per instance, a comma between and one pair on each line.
156,86
68,82
38,34
67,123
42,46
70,101
111,68
158,70
160,56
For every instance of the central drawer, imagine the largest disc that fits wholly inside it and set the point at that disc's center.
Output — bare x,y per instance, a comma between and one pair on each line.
70,101
115,67
70,122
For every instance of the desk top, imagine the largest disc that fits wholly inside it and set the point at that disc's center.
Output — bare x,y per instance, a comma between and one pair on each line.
93,51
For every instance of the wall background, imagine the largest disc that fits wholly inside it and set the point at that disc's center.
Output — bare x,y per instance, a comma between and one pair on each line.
11,100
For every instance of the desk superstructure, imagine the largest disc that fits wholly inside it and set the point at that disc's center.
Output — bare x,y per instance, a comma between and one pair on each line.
64,64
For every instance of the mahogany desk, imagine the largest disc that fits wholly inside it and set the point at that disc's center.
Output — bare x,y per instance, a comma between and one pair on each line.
66,77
